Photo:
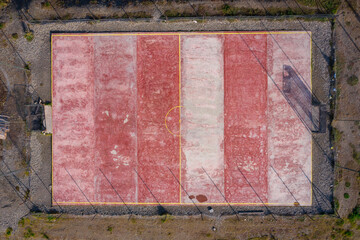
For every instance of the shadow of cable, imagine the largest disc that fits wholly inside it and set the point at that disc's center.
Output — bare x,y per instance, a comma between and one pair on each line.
353,10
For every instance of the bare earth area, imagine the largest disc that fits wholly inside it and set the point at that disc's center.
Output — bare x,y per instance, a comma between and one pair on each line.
347,112
169,227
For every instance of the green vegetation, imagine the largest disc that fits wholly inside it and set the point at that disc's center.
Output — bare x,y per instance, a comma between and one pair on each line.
27,194
338,230
21,222
336,134
355,215
355,154
51,218
265,237
15,36
339,222
2,24
348,233
228,10
347,184
175,13
336,204
330,6
44,235
353,80
8,231
29,36
346,195
27,66
4,3
165,218
45,4
29,233
109,229
339,64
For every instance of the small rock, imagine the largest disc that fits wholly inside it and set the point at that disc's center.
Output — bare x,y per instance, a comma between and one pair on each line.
211,210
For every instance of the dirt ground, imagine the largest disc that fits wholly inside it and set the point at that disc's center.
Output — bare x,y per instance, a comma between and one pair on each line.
21,187
169,227
347,112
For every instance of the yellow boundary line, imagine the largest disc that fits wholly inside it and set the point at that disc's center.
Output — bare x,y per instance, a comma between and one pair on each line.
155,203
180,119
311,164
168,114
170,34
174,33
52,117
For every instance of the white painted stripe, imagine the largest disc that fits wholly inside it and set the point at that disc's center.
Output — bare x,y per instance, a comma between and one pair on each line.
202,115
289,142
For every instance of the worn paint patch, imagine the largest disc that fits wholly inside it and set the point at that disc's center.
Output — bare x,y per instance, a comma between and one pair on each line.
289,142
117,102
245,119
202,115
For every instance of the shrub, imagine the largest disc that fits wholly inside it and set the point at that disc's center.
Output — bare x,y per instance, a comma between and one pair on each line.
109,229
228,10
2,25
21,222
336,135
165,218
27,66
15,36
29,36
330,6
355,215
51,218
346,195
348,233
355,154
347,184
353,80
45,4
45,236
4,3
29,233
336,204
340,222
8,231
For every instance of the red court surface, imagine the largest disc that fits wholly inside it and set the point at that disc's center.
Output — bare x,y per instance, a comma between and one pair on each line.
172,118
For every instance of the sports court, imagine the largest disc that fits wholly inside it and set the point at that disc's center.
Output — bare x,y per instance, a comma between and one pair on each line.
177,117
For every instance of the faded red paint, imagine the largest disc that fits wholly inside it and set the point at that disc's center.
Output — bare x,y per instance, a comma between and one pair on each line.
158,92
115,118
289,142
111,95
73,118
245,118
